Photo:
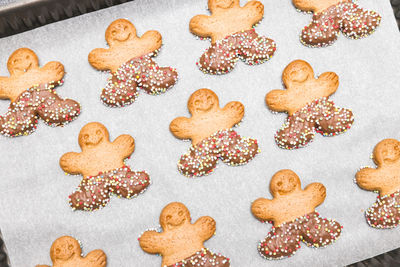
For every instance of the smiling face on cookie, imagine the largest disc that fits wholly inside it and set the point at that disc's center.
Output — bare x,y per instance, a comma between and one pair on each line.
64,248
174,215
22,60
214,5
202,101
121,30
284,182
298,71
92,134
387,152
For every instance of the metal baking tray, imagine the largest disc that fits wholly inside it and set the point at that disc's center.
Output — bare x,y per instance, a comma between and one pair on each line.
18,16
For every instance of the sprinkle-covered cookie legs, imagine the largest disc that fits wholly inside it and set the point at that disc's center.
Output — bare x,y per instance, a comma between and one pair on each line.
227,145
143,72
248,46
95,192
39,101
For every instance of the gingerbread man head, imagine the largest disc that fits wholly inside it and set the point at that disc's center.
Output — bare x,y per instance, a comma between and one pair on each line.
207,117
23,65
289,200
66,251
385,178
98,153
124,45
301,88
227,17
180,238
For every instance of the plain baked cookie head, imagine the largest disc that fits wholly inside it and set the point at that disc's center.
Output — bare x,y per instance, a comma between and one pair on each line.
22,60
120,31
387,152
64,248
92,134
284,182
174,215
297,71
203,100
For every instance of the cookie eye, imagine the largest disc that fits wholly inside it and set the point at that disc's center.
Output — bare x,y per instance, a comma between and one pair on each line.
125,28
27,57
279,183
58,251
86,136
15,61
114,32
98,132
180,213
291,180
169,217
70,247
197,102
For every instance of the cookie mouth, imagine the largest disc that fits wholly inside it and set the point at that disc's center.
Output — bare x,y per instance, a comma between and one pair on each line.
123,39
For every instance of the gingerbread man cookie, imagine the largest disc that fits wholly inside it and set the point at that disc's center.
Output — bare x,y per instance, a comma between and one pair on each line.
210,129
129,58
306,100
101,163
66,252
385,212
334,16
181,242
292,211
31,91
230,28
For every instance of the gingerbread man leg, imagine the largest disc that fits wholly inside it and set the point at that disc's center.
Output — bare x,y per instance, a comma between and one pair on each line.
20,119
280,242
357,22
323,30
126,183
153,79
317,232
385,212
54,110
331,119
297,131
200,160
236,150
120,90
91,194
220,58
254,49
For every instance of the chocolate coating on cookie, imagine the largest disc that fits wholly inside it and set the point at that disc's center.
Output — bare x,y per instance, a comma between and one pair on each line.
181,242
306,100
334,16
31,90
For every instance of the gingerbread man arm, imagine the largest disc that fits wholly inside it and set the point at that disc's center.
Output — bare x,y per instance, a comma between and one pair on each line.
316,193
152,242
181,127
97,258
3,87
70,162
263,209
200,25
277,100
124,145
234,110
330,81
99,58
254,10
52,71
205,227
151,40
368,179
